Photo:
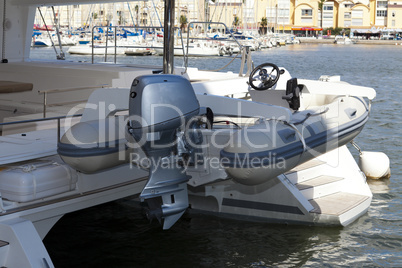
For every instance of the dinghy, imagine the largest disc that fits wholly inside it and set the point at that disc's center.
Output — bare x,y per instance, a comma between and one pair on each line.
272,147
93,146
255,143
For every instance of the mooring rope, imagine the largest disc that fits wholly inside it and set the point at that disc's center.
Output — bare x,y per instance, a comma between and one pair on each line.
225,65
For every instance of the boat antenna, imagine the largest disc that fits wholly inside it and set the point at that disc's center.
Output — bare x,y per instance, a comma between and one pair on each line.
168,37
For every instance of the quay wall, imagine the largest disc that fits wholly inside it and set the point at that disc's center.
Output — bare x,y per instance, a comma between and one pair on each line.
358,41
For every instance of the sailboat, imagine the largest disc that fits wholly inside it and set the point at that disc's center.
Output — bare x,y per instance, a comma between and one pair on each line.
260,145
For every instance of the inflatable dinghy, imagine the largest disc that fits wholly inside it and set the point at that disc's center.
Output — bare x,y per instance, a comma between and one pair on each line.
272,147
95,145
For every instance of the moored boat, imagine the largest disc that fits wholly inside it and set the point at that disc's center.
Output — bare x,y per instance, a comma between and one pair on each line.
139,51
197,49
98,49
343,40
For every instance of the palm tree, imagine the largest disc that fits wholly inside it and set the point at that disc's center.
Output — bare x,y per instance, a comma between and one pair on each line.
263,25
321,7
236,21
136,8
183,22
264,21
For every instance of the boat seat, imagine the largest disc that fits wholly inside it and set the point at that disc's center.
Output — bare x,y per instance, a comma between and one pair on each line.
292,94
11,87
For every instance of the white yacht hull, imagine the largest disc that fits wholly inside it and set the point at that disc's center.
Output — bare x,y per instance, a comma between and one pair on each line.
97,50
23,225
193,51
321,192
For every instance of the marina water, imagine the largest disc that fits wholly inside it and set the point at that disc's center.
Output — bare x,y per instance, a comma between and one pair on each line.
118,235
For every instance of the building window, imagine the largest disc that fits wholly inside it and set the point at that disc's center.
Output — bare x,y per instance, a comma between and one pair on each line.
328,8
357,13
347,15
306,21
249,13
393,13
283,15
381,13
307,12
382,4
348,5
357,22
281,18
327,23
271,15
393,23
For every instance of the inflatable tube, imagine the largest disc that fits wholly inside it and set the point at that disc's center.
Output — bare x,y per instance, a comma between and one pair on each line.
265,150
93,146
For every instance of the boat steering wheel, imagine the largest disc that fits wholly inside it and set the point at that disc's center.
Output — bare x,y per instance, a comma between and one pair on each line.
267,73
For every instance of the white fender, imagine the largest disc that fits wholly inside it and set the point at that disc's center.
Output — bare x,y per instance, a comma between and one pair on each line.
375,165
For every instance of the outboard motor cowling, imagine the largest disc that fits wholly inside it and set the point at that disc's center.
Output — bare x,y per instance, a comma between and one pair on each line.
159,107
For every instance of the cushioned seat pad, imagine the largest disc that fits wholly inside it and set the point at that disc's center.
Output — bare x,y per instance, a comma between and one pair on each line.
10,86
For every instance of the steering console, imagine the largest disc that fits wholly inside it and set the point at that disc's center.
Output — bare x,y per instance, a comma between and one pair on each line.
266,74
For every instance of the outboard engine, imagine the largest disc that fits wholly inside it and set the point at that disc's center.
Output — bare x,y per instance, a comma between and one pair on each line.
160,106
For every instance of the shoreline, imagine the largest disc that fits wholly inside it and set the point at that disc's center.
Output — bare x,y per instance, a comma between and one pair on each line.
358,42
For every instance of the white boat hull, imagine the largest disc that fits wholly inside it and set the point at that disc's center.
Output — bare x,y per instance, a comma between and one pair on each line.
292,197
139,51
88,50
193,51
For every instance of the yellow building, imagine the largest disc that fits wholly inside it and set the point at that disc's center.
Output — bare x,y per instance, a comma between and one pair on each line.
306,14
228,12
394,18
351,15
281,15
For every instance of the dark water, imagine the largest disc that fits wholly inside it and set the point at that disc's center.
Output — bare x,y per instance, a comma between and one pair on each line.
117,235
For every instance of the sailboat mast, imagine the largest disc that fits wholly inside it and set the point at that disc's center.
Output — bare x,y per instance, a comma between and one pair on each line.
168,37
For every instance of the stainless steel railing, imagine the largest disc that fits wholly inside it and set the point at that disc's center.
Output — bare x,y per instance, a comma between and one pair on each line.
51,91
118,30
58,118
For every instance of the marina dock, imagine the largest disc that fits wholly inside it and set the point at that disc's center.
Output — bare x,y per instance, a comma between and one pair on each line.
358,41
